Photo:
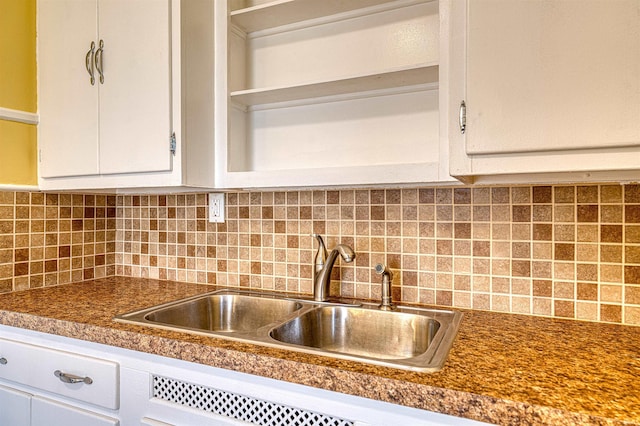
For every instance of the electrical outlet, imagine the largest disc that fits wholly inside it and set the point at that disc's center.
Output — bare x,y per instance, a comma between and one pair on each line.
216,207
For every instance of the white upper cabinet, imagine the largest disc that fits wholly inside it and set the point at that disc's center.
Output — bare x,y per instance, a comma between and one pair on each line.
135,99
67,100
117,80
322,93
550,86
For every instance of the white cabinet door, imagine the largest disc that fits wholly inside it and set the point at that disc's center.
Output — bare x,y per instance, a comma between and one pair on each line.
549,82
45,412
135,99
67,101
119,124
15,407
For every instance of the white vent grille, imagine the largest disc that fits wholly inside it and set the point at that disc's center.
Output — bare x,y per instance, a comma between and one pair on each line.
239,407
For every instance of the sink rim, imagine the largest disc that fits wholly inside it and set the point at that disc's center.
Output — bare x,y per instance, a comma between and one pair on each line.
431,360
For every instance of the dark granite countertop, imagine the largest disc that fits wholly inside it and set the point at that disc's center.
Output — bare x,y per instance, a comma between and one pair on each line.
503,368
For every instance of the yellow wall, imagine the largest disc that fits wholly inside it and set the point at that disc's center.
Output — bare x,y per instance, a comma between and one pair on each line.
18,164
18,158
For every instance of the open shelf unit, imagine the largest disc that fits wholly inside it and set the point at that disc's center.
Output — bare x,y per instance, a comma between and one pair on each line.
272,14
329,93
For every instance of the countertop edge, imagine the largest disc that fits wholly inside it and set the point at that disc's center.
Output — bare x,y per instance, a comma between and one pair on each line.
442,400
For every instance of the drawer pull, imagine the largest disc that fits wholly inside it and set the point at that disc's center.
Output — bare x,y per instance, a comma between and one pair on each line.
3,361
70,378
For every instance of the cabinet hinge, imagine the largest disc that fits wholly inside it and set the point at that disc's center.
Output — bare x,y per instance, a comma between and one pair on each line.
462,120
172,143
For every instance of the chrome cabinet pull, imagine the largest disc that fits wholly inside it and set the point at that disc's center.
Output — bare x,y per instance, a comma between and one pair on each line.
462,120
70,378
88,63
3,361
98,61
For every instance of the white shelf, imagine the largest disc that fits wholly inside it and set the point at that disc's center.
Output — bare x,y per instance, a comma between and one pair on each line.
410,76
283,12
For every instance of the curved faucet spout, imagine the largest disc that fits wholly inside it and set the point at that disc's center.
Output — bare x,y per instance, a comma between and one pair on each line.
322,277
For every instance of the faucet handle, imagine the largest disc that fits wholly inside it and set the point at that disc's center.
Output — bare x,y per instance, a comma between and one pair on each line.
321,255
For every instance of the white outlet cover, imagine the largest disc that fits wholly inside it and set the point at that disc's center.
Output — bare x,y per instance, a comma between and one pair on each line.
216,207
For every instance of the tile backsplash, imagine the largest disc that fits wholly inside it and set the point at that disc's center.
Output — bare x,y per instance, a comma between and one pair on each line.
570,251
49,239
563,251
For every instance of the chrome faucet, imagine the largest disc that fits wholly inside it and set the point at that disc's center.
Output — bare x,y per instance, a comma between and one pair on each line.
324,266
386,302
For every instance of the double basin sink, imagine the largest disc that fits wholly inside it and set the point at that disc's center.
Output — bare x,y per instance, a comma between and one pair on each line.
409,338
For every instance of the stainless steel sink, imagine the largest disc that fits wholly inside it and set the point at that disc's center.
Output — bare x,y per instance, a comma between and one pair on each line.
224,312
360,332
409,338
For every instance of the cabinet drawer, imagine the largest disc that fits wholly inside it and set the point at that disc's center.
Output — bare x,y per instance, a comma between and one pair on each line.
37,366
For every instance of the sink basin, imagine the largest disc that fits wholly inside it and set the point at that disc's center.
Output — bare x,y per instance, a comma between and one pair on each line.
226,313
360,332
409,338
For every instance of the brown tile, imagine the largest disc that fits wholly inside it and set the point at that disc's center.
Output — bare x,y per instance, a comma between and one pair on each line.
462,196
521,195
611,213
481,195
611,313
20,269
632,213
499,195
632,234
587,291
611,194
611,233
542,194
564,232
482,248
564,213
564,251
500,213
632,193
587,213
393,196
564,194
563,290
481,213
632,274
542,232
587,194
587,272
521,213
426,196
632,254
462,230
444,298
521,268
377,196
564,308
377,213
632,295
521,250
542,213
587,233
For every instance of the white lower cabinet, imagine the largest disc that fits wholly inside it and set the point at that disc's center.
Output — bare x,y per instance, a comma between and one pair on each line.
151,390
45,412
15,407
